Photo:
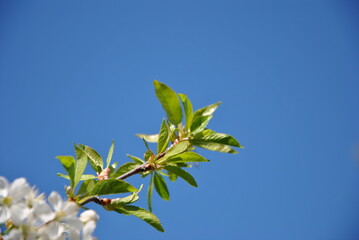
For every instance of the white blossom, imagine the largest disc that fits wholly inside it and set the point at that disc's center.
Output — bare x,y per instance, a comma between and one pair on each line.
10,195
32,218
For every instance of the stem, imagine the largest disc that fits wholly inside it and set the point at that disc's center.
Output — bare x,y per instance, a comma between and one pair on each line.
142,168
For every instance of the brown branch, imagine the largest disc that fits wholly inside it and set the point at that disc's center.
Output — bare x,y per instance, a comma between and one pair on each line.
142,168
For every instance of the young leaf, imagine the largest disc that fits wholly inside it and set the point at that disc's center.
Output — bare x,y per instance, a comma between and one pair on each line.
95,159
86,187
109,155
148,154
206,111
214,146
200,123
135,159
146,144
178,148
149,138
161,187
188,109
124,169
186,157
217,138
143,214
172,176
69,163
118,202
83,177
80,166
111,186
183,174
149,194
169,101
163,137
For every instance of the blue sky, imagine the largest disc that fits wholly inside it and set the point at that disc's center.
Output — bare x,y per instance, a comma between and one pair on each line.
286,72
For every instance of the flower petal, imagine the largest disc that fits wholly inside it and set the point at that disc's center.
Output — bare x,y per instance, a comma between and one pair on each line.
70,209
14,234
54,229
18,190
74,224
43,211
88,230
55,201
89,215
4,187
4,214
19,213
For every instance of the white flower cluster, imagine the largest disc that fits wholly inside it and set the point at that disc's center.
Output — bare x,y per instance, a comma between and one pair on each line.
26,215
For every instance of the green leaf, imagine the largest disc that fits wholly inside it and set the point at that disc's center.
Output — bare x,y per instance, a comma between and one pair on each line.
214,146
206,111
81,164
69,163
177,149
183,174
200,123
111,186
188,109
146,144
83,177
118,202
109,155
135,159
217,138
149,138
149,194
172,176
86,187
169,101
124,169
163,137
148,154
143,214
187,157
95,159
161,187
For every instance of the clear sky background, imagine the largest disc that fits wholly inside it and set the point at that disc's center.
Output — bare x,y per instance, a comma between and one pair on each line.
286,71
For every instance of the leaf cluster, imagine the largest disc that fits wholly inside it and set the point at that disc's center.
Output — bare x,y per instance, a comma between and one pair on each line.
179,134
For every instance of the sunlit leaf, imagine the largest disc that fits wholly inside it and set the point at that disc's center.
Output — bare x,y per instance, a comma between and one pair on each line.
111,186
81,164
206,111
200,123
135,159
217,138
163,137
178,148
109,155
143,214
83,177
186,157
86,187
94,158
188,109
214,146
126,200
69,163
149,138
169,101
